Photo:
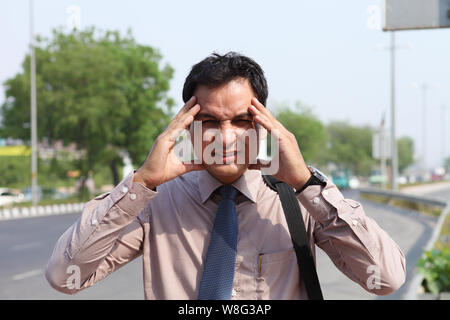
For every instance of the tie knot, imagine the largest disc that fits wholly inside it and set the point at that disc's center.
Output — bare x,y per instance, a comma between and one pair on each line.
228,192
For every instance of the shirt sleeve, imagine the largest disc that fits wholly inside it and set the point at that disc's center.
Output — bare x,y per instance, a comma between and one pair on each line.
355,243
107,235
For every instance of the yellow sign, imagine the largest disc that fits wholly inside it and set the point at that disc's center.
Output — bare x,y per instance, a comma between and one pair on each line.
6,151
73,173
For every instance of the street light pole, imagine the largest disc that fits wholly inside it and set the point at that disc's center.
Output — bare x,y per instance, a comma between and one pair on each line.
33,113
394,162
424,129
444,140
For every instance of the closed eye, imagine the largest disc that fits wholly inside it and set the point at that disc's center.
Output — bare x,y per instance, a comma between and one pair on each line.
243,122
209,121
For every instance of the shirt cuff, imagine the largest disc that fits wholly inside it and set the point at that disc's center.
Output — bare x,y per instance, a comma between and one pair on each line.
132,197
320,201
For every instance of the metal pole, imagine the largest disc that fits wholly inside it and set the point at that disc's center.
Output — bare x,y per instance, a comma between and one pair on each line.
394,162
33,113
444,140
383,158
424,130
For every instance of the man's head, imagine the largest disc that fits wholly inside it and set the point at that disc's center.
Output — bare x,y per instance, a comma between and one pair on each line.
224,86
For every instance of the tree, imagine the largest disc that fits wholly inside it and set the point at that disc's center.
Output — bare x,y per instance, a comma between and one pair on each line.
98,89
405,149
350,147
308,130
447,164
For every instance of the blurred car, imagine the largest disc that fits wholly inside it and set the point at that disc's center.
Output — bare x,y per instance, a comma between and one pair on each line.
52,193
340,178
7,197
353,182
376,178
44,193
402,180
28,195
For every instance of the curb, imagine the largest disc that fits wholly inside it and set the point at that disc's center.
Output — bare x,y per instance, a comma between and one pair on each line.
416,281
40,211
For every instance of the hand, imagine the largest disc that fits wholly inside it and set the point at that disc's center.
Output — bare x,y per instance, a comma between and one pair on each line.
162,164
292,168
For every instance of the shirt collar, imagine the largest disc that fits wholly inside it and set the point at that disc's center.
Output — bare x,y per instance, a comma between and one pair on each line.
248,184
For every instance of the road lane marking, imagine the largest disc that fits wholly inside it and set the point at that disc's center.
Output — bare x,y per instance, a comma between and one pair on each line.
28,274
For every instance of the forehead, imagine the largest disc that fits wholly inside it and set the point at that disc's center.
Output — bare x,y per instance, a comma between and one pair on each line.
225,101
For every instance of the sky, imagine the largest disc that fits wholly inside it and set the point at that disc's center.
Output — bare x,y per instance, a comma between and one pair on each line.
329,55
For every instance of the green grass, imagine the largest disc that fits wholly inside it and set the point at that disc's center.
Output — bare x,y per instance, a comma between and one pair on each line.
434,211
402,186
445,232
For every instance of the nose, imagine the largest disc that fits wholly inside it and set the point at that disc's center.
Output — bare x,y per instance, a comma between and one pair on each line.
229,136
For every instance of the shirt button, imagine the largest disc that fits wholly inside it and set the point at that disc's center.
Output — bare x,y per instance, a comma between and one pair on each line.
233,293
316,200
124,190
355,222
325,192
93,222
132,196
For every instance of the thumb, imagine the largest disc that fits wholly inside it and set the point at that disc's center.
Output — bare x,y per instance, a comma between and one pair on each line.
193,166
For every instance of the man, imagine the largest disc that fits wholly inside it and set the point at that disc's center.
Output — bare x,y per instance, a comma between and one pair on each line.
213,229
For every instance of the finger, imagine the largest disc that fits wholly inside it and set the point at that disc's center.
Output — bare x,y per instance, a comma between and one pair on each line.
183,123
181,118
193,167
260,107
188,105
194,110
263,120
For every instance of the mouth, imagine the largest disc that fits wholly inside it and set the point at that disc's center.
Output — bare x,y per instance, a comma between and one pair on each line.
227,157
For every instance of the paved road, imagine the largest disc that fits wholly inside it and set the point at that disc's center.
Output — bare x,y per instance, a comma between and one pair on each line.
435,190
410,230
27,244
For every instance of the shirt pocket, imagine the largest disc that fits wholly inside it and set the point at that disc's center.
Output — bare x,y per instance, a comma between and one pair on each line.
277,275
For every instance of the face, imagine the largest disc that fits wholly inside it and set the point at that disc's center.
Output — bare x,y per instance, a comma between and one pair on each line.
227,124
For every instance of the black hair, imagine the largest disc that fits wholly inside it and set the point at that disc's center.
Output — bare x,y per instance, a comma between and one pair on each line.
216,70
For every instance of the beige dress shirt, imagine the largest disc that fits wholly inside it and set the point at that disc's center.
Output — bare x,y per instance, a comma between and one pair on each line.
170,229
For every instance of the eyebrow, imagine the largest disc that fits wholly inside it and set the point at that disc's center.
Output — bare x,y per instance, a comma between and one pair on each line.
210,116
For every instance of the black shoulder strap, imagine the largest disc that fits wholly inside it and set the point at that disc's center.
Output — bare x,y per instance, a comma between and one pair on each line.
299,237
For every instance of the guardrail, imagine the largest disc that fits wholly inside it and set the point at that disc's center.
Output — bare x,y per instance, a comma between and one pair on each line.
39,211
403,196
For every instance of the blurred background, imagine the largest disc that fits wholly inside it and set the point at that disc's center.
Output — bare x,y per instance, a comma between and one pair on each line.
98,81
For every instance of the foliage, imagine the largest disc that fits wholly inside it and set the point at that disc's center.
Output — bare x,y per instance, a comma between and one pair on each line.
435,266
350,147
405,150
98,89
308,130
447,164
16,173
